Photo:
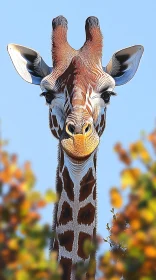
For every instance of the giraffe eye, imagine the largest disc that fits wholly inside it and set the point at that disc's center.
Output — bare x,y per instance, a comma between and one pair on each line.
49,96
106,96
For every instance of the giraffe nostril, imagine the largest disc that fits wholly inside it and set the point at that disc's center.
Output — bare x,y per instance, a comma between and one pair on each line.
87,128
70,128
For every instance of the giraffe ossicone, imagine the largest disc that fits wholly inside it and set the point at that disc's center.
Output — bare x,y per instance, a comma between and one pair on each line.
77,89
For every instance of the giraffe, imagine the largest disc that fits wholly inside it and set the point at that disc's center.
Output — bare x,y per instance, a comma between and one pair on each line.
77,90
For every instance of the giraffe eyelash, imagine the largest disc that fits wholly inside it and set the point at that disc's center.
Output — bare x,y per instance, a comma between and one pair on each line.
105,95
49,96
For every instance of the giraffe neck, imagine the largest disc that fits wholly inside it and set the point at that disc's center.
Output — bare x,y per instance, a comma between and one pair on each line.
75,215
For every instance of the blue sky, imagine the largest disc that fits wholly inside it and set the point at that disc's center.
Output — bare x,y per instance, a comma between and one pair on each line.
23,113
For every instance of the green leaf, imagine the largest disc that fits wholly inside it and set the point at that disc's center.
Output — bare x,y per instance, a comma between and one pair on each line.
50,196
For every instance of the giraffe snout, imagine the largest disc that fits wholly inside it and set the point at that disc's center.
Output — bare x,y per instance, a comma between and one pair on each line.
84,129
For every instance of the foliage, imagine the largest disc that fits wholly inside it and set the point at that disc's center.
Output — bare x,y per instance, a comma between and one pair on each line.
132,233
23,238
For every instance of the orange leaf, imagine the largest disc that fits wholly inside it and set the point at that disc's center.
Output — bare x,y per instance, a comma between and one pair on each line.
150,251
116,198
123,155
152,139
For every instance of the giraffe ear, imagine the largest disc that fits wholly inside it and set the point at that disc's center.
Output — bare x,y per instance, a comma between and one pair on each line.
124,64
28,63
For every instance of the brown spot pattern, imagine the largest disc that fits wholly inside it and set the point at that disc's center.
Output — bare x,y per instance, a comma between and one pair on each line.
68,184
59,131
59,186
66,239
66,214
56,245
86,184
66,265
95,159
102,125
50,121
61,160
86,214
97,128
81,241
102,121
54,133
94,193
54,121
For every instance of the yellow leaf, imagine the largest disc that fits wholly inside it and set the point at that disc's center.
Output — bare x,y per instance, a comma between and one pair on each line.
116,198
140,236
25,257
135,149
147,215
152,205
144,155
138,150
13,244
129,177
13,168
50,196
22,275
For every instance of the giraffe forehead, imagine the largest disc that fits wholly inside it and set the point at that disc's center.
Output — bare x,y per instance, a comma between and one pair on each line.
79,74
84,83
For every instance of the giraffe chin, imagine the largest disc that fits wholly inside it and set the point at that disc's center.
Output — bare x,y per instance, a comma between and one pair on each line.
80,147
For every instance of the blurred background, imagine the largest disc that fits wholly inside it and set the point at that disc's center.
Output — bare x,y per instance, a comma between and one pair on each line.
23,114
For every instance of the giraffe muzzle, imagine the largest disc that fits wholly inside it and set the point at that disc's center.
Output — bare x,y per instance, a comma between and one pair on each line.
79,141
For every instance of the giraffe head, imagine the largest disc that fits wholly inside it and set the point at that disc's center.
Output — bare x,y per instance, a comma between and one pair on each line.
78,88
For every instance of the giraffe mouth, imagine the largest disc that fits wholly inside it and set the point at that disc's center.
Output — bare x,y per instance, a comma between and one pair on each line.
79,146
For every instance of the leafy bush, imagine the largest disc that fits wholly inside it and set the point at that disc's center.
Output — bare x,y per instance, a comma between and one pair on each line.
132,233
22,237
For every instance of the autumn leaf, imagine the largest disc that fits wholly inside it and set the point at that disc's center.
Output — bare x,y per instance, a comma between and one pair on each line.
150,252
147,215
129,177
50,196
23,239
22,275
116,198
152,139
135,224
138,150
132,234
13,244
123,155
